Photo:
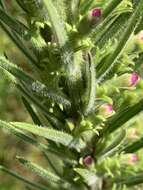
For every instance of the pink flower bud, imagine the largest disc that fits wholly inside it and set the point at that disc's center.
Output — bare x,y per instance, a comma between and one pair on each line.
129,159
133,158
127,80
140,36
88,160
106,110
134,79
96,12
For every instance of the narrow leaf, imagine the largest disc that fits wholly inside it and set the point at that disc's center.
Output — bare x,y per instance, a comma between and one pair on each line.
134,146
109,7
111,148
52,178
24,180
44,148
131,180
29,108
34,8
19,43
85,6
33,86
18,27
57,24
122,117
51,134
109,63
88,176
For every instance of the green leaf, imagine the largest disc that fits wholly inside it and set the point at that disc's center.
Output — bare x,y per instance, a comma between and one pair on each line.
112,29
35,8
44,148
2,4
134,146
30,110
110,61
55,122
57,24
113,147
85,6
131,180
14,70
17,26
109,7
88,176
52,178
122,117
20,44
24,180
32,85
51,134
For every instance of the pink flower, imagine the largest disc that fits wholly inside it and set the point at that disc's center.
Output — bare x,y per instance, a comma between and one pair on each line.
96,12
134,79
133,158
140,36
127,80
88,160
106,110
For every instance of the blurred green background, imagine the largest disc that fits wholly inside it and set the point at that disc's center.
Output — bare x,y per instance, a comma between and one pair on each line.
11,109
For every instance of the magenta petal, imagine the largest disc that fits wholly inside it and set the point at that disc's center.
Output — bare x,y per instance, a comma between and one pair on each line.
96,12
134,158
134,79
88,160
109,108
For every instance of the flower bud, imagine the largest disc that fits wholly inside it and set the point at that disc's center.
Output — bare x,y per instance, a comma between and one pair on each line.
129,158
140,36
132,133
106,110
88,160
89,21
133,158
139,39
127,80
96,12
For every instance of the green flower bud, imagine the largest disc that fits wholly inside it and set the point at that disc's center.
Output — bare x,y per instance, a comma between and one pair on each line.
89,21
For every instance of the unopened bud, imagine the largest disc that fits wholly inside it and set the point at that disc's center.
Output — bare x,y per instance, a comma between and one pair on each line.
96,12
139,39
106,110
133,158
89,21
88,160
127,80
